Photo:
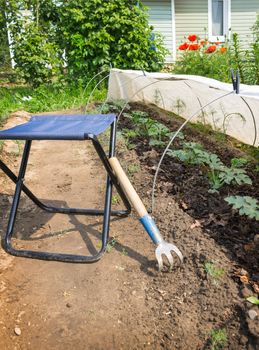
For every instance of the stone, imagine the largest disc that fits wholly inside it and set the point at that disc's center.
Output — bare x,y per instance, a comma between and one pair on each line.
252,314
243,272
246,292
17,331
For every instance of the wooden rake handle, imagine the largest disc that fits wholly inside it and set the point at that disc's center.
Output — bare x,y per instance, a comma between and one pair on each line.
127,187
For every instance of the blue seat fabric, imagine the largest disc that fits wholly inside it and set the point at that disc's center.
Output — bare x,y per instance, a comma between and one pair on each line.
59,127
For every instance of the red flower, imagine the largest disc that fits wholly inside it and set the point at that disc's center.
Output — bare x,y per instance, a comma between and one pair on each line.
223,49
183,46
216,43
211,49
203,42
192,37
194,47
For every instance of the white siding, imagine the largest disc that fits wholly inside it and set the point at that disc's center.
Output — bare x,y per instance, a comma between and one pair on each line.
191,17
243,17
160,17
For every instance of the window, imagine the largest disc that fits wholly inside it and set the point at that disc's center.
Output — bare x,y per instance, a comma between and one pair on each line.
218,19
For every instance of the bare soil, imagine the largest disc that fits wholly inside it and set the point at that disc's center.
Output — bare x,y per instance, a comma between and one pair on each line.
121,302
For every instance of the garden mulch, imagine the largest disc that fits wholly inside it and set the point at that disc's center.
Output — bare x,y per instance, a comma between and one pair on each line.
121,302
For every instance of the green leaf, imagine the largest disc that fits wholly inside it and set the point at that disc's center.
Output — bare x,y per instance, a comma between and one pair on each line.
246,205
253,300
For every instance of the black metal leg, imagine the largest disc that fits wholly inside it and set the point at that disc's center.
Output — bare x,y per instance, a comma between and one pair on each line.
106,212
16,198
108,195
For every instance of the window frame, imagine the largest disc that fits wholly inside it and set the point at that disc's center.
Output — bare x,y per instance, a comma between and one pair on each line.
226,22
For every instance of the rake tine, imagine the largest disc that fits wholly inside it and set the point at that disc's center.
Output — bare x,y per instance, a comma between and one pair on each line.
177,251
159,260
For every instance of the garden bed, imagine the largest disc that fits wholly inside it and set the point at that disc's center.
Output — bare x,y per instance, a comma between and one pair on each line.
123,302
190,187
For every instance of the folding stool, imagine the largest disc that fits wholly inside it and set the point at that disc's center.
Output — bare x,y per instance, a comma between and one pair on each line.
63,127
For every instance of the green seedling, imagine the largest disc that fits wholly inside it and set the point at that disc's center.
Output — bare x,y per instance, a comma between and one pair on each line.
218,174
239,162
124,252
218,339
213,271
111,244
133,168
129,135
245,205
253,300
157,132
115,199
118,104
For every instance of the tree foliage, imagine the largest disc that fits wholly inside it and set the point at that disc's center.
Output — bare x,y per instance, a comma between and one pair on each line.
92,34
4,50
103,32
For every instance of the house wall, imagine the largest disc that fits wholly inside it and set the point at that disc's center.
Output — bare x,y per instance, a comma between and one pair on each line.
160,17
191,17
243,16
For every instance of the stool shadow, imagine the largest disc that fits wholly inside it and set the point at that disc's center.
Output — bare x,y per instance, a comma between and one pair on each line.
31,218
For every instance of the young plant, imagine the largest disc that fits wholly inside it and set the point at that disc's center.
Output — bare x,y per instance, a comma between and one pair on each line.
218,174
218,339
111,244
253,300
213,271
115,199
245,205
157,132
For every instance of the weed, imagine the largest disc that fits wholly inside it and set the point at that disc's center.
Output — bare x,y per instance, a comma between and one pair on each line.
213,271
115,199
124,252
111,244
133,168
218,338
245,205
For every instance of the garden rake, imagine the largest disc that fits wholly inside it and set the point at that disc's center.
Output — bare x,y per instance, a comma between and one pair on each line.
163,247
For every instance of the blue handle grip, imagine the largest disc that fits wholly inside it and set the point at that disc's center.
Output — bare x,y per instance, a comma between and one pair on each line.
151,228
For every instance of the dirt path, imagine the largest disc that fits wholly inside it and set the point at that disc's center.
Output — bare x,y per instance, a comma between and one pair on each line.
121,302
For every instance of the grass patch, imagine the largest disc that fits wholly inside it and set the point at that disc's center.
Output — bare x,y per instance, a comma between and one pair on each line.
45,98
218,339
213,271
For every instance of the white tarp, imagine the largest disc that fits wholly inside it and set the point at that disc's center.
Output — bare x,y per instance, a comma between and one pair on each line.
236,115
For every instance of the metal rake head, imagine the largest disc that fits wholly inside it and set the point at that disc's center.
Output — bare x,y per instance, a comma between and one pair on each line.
165,248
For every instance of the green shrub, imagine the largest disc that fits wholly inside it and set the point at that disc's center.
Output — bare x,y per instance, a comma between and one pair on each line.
99,32
4,49
36,57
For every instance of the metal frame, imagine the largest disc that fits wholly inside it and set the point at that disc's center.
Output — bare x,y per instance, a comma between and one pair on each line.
106,212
